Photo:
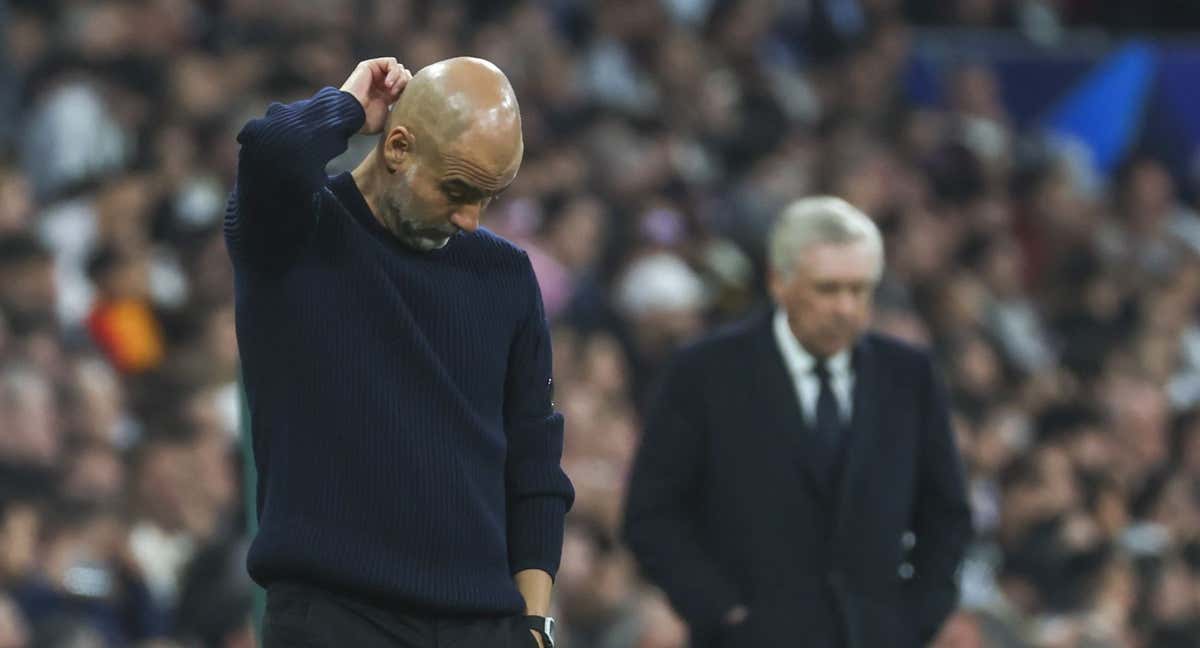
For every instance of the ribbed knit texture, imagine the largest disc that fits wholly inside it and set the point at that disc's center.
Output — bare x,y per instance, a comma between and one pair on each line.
400,402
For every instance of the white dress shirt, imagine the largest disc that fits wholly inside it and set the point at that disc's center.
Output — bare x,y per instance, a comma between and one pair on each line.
800,363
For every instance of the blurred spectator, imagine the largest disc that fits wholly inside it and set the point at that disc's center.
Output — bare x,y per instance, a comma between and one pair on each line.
27,412
168,522
27,283
86,585
121,322
93,471
663,300
215,598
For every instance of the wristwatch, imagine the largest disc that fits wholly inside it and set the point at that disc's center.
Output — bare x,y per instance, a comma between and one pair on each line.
543,626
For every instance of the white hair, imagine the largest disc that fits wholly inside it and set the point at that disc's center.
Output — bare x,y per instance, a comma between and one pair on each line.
819,219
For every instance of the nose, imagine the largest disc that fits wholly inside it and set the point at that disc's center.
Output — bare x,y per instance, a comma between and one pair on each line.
466,217
847,304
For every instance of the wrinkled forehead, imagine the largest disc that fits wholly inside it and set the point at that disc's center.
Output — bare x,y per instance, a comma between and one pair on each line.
487,158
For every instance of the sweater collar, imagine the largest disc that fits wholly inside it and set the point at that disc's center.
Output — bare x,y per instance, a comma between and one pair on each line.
346,189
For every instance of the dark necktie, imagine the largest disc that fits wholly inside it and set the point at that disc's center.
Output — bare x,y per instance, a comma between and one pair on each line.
828,418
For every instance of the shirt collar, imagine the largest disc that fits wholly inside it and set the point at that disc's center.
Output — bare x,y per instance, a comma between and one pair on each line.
798,360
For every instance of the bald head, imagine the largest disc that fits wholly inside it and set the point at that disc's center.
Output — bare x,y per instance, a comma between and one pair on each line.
459,103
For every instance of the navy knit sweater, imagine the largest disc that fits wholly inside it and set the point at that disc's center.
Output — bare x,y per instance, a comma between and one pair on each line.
400,402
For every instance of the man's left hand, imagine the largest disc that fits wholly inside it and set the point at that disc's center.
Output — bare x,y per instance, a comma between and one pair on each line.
538,638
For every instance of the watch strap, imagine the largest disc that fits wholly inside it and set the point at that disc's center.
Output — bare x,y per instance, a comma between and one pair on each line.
543,626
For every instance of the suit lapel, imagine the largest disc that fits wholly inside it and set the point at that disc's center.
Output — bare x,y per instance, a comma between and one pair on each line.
870,388
775,393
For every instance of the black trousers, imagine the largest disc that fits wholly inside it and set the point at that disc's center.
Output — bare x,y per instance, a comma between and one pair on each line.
303,616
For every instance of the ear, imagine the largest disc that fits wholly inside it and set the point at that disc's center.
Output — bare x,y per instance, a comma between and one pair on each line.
397,147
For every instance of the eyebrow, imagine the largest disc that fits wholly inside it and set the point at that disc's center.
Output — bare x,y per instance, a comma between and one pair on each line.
472,190
471,174
462,186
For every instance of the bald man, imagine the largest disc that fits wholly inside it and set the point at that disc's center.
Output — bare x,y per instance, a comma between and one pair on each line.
396,361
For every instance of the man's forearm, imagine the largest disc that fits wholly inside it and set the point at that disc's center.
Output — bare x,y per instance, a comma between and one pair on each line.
535,585
281,165
293,142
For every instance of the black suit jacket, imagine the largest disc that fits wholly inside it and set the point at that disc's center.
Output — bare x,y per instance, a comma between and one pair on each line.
726,507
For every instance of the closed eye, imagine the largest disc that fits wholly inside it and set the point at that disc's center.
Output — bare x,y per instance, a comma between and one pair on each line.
460,192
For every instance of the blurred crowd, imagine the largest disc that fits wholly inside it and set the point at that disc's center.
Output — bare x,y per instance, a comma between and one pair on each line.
661,140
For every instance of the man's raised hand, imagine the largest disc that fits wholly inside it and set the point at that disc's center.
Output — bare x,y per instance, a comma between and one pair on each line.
377,84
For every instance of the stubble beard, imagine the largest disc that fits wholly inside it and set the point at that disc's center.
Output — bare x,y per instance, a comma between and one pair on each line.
410,231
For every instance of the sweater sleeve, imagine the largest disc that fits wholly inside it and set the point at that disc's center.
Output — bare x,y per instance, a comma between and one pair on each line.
538,491
281,167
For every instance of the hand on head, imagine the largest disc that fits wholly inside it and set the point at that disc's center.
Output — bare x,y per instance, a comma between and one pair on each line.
377,84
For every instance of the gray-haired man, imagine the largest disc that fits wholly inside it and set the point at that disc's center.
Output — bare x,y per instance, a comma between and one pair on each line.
798,482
